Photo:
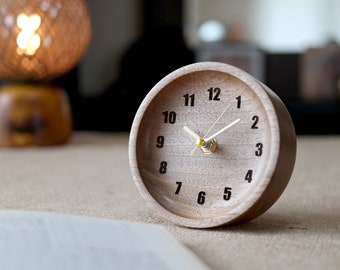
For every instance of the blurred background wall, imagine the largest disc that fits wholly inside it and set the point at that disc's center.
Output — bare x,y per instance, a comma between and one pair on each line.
294,39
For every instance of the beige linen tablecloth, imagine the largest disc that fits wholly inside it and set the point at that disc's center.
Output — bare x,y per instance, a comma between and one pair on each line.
90,176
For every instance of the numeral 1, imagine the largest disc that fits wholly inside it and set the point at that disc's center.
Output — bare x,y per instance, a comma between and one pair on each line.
238,102
170,117
214,93
189,100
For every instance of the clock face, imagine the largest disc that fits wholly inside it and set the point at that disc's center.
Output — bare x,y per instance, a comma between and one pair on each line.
186,181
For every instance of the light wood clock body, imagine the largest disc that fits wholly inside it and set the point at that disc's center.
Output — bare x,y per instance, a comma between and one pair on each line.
210,145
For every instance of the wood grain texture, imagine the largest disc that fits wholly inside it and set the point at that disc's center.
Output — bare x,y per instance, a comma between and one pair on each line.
242,178
34,115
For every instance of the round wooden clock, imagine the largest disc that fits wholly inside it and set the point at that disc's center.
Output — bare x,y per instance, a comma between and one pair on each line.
210,145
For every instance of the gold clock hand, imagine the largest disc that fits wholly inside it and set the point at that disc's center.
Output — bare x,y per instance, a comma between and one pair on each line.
209,145
216,121
222,130
198,139
201,141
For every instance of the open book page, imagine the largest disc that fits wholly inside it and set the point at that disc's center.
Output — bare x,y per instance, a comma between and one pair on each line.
40,240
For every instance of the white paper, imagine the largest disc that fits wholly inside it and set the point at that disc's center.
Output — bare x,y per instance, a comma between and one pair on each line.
41,241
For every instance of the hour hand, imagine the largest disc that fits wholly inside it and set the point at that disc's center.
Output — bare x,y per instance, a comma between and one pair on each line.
198,139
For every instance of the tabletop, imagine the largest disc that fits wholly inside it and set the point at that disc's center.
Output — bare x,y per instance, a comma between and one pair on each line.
90,176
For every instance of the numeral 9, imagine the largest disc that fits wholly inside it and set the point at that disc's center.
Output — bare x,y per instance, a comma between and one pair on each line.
160,141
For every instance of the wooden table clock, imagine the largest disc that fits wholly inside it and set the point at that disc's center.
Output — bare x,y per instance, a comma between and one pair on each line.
210,145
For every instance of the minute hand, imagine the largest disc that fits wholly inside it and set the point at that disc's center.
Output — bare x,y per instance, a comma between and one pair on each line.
220,131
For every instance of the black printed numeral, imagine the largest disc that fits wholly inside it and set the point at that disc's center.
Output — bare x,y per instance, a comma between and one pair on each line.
249,176
189,100
201,197
259,150
227,193
214,93
238,102
163,167
179,186
169,117
256,121
160,141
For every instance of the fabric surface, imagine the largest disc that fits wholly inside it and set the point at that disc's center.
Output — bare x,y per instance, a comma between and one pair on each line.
90,176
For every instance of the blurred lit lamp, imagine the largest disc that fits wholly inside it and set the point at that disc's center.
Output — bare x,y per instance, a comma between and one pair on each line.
212,31
40,40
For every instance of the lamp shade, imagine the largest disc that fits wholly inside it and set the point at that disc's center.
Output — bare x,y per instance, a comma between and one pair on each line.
42,39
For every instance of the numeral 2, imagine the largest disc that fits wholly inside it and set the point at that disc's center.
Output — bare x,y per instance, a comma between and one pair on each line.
214,93
256,120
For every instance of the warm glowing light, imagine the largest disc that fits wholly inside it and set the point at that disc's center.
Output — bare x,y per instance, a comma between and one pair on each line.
42,39
28,40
